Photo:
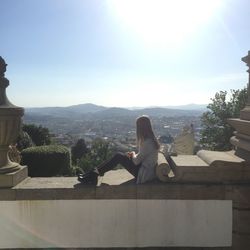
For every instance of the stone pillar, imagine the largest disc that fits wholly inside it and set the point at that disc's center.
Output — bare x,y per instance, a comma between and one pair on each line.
241,140
10,123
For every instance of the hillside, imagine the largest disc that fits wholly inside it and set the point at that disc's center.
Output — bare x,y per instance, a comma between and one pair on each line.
79,120
93,110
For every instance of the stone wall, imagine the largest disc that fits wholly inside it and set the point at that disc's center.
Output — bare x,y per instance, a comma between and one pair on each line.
26,200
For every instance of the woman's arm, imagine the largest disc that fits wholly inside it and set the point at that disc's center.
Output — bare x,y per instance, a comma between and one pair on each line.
145,149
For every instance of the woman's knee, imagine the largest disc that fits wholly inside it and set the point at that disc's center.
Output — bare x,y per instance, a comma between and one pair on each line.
119,156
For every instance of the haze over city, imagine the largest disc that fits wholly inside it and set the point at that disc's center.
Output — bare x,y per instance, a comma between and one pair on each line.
123,53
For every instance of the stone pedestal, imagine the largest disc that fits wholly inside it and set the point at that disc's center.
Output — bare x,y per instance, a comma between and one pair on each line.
12,179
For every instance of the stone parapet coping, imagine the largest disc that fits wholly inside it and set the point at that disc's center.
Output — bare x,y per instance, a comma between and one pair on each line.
68,188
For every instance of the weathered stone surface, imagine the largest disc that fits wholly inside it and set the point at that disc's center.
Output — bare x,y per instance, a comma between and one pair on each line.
184,142
240,196
240,242
116,184
163,169
194,169
242,126
153,248
116,192
53,188
242,136
244,154
189,161
218,159
241,221
240,143
245,113
12,179
181,191
7,194
116,177
68,188
115,223
48,183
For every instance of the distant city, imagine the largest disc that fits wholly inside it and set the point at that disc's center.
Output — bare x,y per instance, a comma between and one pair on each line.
117,125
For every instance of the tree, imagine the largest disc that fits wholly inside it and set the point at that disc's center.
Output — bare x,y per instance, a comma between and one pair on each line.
216,132
24,141
39,135
100,151
78,151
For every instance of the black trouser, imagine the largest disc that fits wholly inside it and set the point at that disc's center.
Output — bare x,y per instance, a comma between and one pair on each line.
119,158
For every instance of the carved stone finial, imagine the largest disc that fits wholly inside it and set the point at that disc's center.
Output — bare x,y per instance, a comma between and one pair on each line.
3,67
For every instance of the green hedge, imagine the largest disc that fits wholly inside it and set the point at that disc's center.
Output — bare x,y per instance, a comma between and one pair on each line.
46,161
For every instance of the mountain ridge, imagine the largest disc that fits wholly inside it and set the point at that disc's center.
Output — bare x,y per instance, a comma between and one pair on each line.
94,107
90,109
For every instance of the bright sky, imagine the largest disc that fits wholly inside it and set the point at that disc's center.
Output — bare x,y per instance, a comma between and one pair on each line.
123,52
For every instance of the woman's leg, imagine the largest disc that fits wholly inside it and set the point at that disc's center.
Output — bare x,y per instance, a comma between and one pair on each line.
119,158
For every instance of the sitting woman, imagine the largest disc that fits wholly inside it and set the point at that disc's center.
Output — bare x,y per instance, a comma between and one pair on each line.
141,165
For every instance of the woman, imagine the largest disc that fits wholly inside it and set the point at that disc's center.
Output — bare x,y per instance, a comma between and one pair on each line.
140,165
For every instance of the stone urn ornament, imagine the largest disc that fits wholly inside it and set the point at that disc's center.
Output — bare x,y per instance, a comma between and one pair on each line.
10,123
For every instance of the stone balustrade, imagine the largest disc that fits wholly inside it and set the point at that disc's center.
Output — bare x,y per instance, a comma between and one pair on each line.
60,212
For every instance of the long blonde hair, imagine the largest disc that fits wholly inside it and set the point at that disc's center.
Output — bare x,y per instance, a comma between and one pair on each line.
144,130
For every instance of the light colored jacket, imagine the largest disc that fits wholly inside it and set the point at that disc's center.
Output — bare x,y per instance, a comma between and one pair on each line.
147,157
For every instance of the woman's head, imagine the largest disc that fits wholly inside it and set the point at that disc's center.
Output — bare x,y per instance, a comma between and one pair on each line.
144,130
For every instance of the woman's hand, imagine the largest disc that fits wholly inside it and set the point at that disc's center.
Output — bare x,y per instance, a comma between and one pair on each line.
130,154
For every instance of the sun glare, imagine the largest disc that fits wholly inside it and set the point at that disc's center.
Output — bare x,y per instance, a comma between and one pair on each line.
163,22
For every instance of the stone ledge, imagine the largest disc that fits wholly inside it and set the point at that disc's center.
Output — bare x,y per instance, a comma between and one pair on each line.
68,188
54,189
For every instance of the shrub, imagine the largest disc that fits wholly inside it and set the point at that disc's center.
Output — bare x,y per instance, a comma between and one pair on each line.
46,161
